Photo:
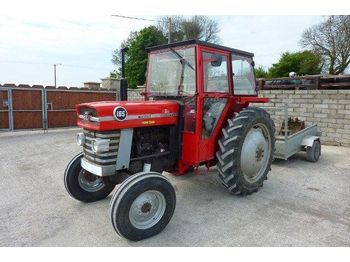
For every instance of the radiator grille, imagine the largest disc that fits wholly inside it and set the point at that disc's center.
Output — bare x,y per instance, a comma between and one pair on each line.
103,158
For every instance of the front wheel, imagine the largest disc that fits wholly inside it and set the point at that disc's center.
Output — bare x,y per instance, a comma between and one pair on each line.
142,206
83,185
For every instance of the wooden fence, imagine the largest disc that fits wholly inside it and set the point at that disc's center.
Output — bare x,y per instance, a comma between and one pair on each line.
32,107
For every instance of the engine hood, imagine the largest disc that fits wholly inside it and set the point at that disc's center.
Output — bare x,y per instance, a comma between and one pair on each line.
111,115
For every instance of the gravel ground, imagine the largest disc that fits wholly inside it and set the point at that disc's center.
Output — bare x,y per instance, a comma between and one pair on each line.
301,204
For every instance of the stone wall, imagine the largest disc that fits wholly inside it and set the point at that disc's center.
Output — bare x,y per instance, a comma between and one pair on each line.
110,83
135,94
330,109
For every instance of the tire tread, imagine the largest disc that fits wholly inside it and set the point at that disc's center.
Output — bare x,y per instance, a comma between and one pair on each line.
229,148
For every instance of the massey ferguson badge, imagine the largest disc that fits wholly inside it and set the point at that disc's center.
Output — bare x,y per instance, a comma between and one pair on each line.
120,113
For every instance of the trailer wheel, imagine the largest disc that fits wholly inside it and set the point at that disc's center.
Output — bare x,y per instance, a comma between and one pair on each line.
246,151
84,186
313,153
142,206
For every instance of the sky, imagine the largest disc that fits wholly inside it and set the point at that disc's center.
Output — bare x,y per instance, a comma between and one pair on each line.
82,40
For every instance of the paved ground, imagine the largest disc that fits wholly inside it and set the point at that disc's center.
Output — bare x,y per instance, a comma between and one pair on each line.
302,203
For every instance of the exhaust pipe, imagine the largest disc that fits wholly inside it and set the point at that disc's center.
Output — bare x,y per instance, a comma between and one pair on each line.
123,83
123,90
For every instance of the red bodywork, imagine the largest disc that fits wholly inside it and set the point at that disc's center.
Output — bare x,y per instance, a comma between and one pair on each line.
143,113
196,150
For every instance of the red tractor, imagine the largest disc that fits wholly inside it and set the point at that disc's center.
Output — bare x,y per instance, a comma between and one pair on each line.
196,112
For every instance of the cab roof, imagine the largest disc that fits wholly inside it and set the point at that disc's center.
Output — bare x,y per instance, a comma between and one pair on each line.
202,43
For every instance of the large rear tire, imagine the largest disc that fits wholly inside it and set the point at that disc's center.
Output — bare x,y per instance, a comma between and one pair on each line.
84,186
142,206
246,151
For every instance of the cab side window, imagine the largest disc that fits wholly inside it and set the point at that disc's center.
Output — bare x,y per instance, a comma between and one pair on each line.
243,75
215,73
212,110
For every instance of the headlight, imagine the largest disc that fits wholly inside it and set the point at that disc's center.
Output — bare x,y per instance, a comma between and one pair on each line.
80,139
100,145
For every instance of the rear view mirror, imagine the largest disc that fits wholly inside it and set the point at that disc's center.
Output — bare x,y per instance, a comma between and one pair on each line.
216,60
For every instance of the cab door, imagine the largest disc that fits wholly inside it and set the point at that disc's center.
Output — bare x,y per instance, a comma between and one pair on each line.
215,89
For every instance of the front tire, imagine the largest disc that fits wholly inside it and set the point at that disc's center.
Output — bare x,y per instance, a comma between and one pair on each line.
84,186
142,206
246,151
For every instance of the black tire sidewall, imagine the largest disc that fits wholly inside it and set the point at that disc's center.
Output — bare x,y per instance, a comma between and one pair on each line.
120,216
74,189
316,148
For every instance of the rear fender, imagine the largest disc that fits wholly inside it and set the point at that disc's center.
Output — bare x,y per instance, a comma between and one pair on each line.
308,141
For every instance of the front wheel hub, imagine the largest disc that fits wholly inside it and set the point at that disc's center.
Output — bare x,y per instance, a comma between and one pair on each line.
90,182
147,209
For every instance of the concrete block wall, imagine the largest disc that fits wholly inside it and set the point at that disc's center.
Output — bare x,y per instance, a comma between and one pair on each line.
135,94
330,109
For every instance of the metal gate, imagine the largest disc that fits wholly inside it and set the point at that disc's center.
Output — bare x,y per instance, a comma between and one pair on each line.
60,104
32,108
27,108
4,110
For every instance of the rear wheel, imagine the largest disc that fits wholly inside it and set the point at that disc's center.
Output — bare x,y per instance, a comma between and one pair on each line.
313,153
246,151
83,185
142,206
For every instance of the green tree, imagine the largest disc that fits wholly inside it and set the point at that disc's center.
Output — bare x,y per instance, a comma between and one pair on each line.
117,54
136,63
331,39
303,63
260,72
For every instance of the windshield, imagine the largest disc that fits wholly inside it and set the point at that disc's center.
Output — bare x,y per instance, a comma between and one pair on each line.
172,72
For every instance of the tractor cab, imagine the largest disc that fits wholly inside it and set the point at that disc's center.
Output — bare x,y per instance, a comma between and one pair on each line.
211,82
